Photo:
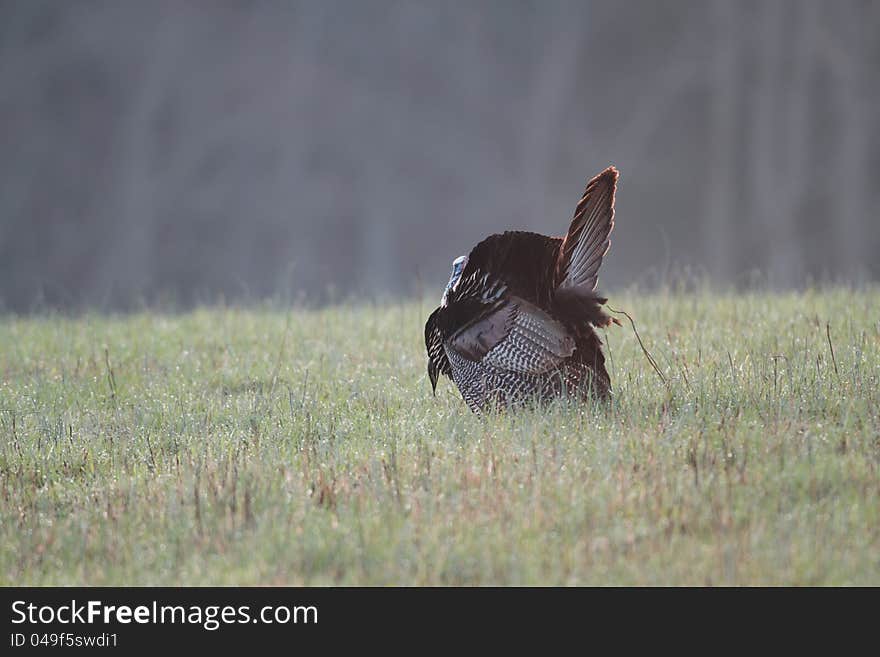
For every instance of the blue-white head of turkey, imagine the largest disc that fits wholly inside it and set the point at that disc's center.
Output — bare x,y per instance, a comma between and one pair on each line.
458,266
518,318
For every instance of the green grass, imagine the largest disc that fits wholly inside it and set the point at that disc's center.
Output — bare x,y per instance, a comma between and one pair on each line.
232,446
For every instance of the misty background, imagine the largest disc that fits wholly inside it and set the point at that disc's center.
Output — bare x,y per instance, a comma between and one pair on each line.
192,152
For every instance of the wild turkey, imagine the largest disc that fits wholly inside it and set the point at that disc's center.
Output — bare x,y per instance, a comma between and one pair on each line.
517,317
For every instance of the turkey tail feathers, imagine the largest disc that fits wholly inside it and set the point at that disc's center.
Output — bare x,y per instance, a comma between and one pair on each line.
588,237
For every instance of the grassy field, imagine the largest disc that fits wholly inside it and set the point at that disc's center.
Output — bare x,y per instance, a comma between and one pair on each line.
267,446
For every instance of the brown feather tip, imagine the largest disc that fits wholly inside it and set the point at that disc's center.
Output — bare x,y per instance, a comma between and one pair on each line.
610,171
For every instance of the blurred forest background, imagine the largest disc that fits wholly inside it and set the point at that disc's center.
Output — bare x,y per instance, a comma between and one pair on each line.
196,151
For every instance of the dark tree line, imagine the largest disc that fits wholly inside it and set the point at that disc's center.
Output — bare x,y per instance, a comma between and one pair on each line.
192,150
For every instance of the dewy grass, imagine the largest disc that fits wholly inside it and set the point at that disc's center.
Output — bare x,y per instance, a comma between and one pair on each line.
304,447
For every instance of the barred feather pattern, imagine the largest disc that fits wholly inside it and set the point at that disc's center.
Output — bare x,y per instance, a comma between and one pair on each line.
436,351
483,385
532,345
479,285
